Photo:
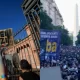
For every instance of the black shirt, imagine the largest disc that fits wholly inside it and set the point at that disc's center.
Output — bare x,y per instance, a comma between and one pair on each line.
29,76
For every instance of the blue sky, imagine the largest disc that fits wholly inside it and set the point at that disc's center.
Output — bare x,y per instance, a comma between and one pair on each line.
11,14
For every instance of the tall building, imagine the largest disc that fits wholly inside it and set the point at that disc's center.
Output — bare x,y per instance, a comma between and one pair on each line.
31,10
76,25
52,10
6,37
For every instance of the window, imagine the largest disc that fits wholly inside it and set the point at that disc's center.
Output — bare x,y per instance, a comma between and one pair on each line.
21,47
35,29
27,45
17,50
2,34
6,40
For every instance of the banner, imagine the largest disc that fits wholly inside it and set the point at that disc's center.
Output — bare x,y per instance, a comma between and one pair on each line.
49,46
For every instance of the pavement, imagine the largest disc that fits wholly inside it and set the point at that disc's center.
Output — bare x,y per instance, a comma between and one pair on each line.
53,73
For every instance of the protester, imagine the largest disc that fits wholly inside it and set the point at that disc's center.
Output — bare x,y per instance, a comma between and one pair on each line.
27,73
69,62
78,73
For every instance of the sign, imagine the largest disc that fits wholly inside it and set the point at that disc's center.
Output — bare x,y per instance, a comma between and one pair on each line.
49,45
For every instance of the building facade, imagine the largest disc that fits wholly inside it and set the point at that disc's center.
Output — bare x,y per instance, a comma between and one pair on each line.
29,48
6,37
31,10
25,49
52,10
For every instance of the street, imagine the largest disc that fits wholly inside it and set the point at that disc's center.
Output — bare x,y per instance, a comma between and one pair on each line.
53,73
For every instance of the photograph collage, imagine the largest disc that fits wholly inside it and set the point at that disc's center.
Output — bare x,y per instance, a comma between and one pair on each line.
40,40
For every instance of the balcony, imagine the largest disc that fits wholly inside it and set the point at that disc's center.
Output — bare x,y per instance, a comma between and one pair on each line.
28,5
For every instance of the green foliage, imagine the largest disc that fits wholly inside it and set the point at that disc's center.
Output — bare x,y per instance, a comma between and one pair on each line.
45,21
65,38
17,41
78,39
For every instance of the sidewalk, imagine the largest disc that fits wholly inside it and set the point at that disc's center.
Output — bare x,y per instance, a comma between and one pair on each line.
53,73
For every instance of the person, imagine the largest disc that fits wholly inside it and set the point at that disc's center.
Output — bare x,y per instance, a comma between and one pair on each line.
27,74
79,73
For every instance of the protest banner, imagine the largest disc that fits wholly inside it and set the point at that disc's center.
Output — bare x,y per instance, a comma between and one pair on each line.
49,46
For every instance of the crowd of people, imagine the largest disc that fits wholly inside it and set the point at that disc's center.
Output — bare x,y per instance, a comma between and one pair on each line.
69,62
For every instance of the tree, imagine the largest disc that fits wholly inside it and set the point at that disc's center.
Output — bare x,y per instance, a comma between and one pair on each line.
65,38
78,39
46,21
17,41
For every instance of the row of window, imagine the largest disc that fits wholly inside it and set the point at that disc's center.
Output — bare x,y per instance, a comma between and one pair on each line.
3,40
6,33
2,34
22,47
